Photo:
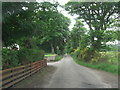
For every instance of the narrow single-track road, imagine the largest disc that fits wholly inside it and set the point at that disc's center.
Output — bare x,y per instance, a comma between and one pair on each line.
67,74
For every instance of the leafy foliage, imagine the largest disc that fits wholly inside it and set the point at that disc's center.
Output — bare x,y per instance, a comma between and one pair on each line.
58,58
16,22
77,38
40,20
113,68
27,56
35,27
99,17
11,58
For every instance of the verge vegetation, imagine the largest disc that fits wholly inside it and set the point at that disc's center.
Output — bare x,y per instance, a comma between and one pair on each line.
108,62
95,46
58,58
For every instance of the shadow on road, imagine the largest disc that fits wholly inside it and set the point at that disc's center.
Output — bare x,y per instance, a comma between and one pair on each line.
38,80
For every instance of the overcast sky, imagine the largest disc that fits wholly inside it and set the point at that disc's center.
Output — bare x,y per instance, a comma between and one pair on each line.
65,13
72,18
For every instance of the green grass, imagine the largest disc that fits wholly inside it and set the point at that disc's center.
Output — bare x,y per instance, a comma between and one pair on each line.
50,54
100,66
58,58
112,56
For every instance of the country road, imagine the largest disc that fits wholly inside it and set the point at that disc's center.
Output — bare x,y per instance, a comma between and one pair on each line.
67,74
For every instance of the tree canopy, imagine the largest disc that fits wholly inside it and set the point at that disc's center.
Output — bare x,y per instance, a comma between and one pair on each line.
98,15
40,20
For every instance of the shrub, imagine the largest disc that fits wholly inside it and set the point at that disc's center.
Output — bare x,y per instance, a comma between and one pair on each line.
86,54
58,58
36,55
24,56
105,57
96,57
9,58
30,55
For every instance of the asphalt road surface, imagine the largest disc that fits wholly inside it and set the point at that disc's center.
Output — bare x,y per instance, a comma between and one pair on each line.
67,74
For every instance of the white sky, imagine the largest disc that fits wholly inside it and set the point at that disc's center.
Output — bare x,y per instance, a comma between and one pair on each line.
72,18
65,13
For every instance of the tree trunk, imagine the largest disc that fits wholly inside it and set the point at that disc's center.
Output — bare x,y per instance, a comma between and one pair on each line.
79,34
52,48
2,44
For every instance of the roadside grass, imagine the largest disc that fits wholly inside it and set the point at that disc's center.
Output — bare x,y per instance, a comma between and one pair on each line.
112,56
50,54
110,65
58,58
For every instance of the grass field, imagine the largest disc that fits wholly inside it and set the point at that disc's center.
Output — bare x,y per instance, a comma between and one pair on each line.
57,58
110,64
50,54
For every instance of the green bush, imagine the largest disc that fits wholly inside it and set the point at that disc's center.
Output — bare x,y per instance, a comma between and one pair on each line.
85,54
35,55
30,55
9,58
23,56
58,58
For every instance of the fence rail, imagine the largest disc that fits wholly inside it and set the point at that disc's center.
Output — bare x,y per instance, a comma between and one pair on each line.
13,75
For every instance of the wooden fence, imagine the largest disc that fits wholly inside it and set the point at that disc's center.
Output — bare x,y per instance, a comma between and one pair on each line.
13,75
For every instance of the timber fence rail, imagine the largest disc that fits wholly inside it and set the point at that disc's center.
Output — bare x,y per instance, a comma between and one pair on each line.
12,76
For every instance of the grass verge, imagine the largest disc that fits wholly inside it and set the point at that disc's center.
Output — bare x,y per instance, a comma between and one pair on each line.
50,54
58,58
100,66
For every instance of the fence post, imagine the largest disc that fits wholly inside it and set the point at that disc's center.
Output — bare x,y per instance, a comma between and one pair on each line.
40,66
30,69
45,62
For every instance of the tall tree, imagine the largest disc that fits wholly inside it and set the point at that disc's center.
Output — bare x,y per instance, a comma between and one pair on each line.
98,16
40,20
77,37
56,25
16,21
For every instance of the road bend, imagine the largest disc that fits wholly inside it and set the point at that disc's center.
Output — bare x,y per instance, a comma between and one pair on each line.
68,74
